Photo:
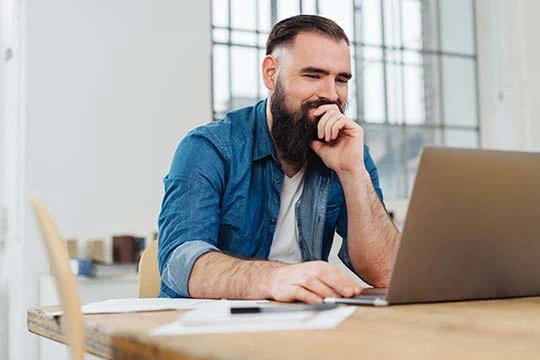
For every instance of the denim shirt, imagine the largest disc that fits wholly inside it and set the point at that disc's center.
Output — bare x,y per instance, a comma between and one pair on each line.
222,194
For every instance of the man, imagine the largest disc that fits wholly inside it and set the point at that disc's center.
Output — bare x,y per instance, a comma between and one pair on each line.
252,202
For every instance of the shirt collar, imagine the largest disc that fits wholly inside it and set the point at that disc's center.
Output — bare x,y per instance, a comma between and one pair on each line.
264,146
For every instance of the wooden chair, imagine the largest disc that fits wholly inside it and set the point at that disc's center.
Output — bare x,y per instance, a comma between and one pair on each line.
66,283
149,279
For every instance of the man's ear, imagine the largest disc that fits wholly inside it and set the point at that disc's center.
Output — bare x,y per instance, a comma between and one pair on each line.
269,71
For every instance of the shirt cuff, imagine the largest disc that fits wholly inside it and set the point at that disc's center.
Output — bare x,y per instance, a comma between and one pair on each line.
180,264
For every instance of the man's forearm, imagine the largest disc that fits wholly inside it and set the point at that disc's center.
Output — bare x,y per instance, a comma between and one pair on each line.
219,276
372,238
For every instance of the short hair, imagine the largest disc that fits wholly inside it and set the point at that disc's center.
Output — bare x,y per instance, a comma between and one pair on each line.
285,31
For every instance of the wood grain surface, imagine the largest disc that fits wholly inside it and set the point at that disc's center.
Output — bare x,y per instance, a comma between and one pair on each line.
495,329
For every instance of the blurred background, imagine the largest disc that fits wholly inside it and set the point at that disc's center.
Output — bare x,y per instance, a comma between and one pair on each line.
95,96
415,71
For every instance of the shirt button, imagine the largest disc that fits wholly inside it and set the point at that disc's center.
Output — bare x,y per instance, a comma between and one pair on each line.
277,180
272,221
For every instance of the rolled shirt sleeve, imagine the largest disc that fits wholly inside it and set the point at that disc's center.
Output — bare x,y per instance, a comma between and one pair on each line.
190,213
178,267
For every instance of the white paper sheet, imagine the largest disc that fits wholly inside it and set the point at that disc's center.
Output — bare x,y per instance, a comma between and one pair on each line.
210,320
116,306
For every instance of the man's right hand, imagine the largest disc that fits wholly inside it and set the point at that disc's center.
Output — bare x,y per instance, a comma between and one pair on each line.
311,282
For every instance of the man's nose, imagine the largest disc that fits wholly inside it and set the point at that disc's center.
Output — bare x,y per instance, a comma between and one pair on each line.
328,91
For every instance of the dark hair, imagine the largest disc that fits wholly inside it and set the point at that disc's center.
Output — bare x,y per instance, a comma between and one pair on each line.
285,31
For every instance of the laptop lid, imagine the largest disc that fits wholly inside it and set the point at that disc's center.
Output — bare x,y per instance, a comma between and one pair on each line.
472,230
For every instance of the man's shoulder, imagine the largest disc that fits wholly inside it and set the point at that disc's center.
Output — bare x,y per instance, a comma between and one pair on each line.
236,128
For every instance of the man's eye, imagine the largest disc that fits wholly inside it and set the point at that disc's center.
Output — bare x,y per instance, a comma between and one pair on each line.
342,81
311,76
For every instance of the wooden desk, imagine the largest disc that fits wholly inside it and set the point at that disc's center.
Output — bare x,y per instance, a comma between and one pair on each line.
497,329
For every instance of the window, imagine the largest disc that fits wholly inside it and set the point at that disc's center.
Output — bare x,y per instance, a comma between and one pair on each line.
414,68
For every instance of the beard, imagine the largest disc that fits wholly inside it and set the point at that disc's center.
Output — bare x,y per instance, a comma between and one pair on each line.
294,130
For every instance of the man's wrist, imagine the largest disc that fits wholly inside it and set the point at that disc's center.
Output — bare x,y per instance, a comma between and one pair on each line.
354,176
266,283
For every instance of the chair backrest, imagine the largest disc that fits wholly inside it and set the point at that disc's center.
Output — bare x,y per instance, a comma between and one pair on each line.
65,280
149,279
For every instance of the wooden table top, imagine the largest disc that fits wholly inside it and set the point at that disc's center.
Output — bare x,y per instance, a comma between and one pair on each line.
495,329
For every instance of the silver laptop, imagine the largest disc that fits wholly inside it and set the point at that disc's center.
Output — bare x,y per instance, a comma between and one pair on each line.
472,230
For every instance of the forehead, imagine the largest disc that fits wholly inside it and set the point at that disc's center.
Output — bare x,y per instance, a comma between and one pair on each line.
312,49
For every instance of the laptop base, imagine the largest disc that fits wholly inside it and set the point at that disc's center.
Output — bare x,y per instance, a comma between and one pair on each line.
358,300
368,296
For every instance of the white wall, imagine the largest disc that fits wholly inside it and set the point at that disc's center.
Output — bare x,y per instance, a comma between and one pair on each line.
3,276
110,89
3,49
509,54
8,108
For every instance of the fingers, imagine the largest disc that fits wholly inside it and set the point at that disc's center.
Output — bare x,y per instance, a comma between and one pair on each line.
304,295
316,286
324,108
330,124
311,282
327,119
333,128
335,278
332,119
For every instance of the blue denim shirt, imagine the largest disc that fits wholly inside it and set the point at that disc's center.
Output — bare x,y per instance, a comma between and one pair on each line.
222,193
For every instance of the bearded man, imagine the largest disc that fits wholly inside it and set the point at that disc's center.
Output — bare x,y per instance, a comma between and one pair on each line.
252,202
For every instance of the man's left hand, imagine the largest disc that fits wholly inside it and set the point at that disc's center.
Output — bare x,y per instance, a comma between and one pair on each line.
341,140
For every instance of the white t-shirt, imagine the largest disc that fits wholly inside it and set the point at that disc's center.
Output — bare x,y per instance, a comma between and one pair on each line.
285,247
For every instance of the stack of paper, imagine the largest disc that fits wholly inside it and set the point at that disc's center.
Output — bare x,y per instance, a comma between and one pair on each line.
207,316
116,306
216,318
